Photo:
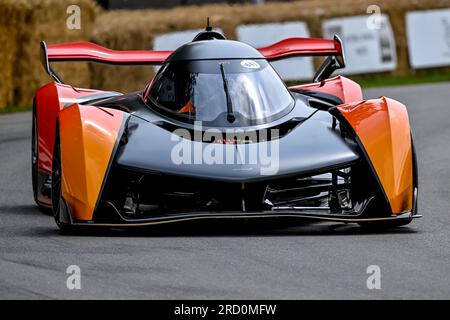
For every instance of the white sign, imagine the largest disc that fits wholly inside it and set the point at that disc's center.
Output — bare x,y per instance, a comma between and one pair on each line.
261,35
366,49
174,40
428,34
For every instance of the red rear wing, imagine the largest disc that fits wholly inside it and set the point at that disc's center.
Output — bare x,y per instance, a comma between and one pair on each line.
87,51
302,47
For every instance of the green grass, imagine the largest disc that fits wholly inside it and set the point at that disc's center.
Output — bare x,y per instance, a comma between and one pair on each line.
366,81
15,109
387,81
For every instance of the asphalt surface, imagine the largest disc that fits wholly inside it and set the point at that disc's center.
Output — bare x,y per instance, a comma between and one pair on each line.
249,261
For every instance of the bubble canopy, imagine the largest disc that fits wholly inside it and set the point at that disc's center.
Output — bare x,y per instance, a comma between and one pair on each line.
214,49
209,90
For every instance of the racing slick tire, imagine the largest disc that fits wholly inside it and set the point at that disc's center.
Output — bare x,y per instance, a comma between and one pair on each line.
59,206
34,165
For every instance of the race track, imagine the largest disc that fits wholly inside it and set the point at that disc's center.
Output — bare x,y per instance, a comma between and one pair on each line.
321,261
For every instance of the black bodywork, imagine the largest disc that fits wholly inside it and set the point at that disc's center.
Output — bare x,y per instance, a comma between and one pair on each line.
322,172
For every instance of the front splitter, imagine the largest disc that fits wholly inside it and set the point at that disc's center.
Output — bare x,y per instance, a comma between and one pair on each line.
247,215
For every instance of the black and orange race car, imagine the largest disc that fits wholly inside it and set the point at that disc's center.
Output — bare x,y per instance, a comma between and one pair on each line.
217,134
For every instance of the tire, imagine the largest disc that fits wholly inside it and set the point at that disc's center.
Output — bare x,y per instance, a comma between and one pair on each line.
59,206
34,165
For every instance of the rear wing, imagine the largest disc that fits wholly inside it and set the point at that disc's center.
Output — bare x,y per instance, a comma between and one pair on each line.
292,47
87,51
333,49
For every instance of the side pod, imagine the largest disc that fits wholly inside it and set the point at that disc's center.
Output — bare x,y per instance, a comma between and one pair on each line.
346,90
382,129
89,137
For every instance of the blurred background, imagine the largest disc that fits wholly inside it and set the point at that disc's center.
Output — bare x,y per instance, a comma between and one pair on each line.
390,42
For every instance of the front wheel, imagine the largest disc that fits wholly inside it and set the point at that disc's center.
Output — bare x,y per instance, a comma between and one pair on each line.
59,206
34,165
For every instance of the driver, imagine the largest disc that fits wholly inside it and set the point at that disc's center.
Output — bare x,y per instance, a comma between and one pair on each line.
187,108
207,100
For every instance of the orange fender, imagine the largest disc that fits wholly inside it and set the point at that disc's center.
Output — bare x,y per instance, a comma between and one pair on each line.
88,136
345,89
382,126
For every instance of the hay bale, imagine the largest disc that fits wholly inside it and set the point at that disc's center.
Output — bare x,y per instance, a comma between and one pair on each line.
23,23
46,20
126,29
397,13
12,17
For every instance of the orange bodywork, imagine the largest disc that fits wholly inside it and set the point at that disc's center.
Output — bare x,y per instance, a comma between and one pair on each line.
88,136
50,100
339,86
382,126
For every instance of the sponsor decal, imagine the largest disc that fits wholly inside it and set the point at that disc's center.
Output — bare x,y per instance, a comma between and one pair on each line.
251,64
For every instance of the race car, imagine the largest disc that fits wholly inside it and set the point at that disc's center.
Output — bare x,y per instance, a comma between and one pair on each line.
216,134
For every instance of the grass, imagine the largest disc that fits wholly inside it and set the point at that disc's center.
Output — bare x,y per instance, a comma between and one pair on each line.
365,82
389,80
11,109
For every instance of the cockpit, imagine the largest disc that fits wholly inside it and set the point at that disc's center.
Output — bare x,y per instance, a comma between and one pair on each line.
220,92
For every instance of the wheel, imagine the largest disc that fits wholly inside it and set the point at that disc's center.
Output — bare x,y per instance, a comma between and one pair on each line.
34,157
34,164
59,206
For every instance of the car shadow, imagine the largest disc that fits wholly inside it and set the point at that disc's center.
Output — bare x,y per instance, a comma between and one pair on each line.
22,209
225,228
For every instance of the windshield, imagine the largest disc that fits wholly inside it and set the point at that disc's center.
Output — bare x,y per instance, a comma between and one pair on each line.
211,90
